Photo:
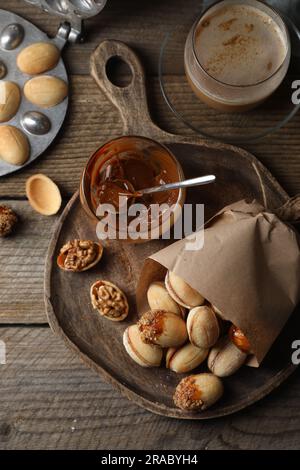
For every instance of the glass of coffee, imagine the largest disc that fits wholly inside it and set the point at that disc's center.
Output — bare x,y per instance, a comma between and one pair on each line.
237,54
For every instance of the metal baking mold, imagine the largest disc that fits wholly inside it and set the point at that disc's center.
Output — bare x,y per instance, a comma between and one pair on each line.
73,12
56,115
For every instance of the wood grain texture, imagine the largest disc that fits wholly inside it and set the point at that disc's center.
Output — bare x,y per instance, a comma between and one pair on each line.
22,258
50,400
98,342
92,119
135,23
67,296
43,387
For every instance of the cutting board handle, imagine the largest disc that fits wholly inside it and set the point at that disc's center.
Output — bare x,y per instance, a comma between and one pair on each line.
131,100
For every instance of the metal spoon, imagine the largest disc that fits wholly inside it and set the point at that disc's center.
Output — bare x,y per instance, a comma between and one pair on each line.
130,193
200,180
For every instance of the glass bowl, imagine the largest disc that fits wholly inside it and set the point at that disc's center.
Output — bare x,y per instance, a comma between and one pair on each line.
131,163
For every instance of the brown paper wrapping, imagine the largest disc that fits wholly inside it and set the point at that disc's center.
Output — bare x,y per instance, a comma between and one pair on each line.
249,268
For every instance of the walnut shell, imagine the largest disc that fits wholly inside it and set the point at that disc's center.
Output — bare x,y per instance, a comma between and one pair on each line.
109,300
79,255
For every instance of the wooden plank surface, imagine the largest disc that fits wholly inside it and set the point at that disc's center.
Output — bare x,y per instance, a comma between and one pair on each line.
135,22
92,120
50,400
22,258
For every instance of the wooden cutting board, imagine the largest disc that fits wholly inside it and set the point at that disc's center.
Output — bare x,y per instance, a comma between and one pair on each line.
98,341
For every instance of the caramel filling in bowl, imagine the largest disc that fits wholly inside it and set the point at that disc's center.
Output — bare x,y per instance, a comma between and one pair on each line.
123,167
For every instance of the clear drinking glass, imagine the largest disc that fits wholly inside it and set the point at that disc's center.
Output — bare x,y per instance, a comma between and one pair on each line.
231,97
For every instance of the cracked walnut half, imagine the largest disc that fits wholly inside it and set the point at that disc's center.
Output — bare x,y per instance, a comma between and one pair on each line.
109,300
79,255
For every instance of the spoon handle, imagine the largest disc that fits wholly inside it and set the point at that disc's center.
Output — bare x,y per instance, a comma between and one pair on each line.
200,180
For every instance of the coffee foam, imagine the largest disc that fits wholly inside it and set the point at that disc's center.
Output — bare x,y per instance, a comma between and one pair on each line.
239,45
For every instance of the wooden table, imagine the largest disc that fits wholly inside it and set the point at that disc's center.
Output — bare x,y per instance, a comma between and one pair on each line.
49,399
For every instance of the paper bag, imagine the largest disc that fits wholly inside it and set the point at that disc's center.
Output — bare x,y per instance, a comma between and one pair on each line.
249,268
